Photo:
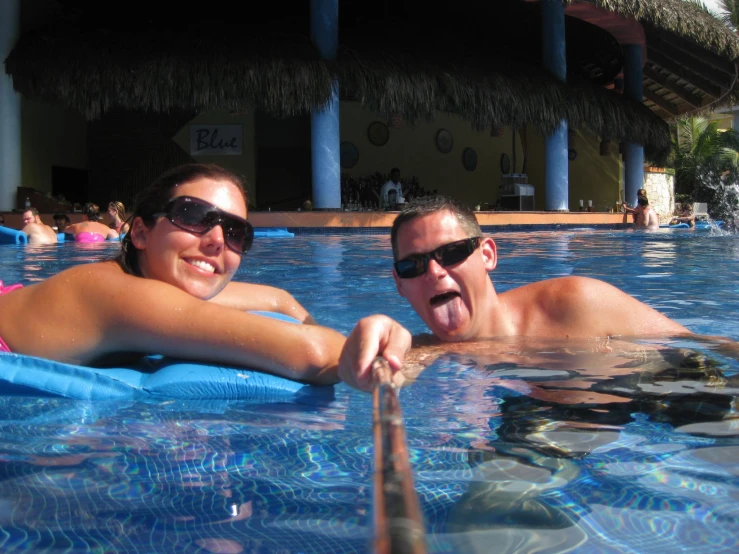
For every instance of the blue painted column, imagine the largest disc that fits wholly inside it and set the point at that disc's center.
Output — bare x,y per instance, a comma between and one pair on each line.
10,109
325,166
556,170
633,153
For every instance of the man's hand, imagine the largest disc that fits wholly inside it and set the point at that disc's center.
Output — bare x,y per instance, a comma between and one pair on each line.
376,335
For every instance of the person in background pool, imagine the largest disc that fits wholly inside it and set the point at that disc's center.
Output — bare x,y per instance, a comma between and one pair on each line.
2,220
117,213
442,265
38,232
170,292
636,212
90,230
648,219
61,221
686,215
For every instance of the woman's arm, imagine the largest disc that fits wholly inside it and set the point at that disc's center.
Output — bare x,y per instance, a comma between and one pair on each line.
252,297
94,310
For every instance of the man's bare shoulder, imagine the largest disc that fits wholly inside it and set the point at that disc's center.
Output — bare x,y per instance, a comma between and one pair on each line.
558,307
559,289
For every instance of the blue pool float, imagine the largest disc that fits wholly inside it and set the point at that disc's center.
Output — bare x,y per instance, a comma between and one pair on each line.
700,225
152,376
12,236
273,232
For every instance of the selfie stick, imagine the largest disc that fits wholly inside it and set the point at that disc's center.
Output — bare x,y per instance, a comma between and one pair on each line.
397,513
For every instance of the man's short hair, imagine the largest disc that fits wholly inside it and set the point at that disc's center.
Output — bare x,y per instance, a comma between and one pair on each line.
34,211
65,217
393,170
427,205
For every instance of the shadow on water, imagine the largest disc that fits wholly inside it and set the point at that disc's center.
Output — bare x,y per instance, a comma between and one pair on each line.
578,447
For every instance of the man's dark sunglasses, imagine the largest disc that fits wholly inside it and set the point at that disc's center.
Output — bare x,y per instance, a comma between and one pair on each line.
453,253
198,216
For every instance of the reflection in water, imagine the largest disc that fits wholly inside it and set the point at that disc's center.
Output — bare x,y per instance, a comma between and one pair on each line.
160,477
580,445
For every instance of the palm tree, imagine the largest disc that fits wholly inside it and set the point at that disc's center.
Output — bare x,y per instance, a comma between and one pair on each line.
729,15
706,163
698,144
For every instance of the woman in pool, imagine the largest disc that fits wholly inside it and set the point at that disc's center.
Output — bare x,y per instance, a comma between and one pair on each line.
170,292
90,230
117,213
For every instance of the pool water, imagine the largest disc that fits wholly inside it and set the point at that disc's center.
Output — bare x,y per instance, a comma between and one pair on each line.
516,445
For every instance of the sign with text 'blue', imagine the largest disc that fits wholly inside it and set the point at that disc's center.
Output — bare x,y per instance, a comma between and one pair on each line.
216,140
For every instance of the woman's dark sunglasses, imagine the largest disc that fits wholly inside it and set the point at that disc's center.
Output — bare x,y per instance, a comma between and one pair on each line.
453,253
197,216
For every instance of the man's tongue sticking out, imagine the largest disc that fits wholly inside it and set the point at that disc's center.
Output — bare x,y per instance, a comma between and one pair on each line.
447,311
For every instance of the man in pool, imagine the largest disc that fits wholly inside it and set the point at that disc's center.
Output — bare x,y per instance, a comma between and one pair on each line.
442,264
62,222
38,232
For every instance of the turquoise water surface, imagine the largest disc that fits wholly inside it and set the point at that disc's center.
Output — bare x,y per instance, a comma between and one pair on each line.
516,446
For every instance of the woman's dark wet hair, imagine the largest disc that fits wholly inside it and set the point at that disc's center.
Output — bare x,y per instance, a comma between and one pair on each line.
92,211
427,205
155,197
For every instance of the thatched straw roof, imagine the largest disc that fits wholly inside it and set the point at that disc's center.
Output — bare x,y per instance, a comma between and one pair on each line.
94,69
510,95
681,18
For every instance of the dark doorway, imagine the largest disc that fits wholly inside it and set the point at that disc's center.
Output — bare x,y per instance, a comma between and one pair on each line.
69,182
283,169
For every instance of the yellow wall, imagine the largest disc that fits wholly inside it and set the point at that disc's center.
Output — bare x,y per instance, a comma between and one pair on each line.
54,136
243,165
50,136
413,150
592,176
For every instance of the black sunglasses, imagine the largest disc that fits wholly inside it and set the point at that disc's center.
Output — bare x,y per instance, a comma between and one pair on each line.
198,216
453,253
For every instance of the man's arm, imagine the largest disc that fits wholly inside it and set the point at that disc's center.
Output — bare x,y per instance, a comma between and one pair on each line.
376,335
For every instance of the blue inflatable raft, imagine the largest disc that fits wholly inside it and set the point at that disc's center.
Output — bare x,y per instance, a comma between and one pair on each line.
699,225
152,376
13,236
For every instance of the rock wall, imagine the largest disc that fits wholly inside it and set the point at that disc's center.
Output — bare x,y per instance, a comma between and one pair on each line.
660,187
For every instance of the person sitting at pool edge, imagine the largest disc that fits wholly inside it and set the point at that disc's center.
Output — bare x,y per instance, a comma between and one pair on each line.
38,232
170,292
441,267
686,216
90,230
